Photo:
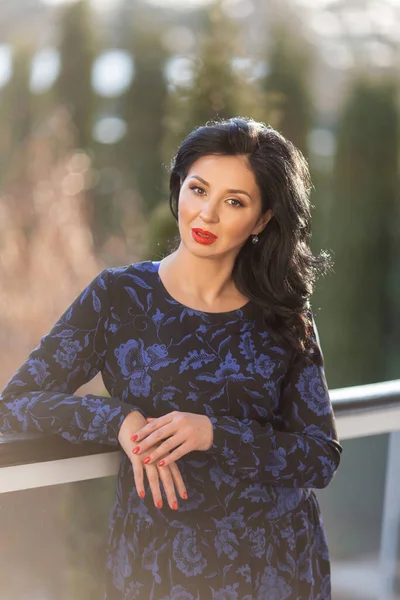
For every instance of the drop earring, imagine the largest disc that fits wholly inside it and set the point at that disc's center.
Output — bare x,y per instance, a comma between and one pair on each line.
255,239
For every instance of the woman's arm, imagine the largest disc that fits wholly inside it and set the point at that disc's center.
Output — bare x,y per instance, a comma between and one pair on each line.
305,454
40,395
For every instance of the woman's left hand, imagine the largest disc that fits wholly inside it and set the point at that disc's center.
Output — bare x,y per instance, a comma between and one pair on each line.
185,432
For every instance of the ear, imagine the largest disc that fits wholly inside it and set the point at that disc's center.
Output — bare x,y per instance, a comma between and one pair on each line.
263,222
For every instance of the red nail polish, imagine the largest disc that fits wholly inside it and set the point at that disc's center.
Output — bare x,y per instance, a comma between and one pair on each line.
146,460
185,495
141,494
159,504
175,506
134,437
161,463
136,449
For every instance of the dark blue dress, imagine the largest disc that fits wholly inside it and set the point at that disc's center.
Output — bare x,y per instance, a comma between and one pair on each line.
251,527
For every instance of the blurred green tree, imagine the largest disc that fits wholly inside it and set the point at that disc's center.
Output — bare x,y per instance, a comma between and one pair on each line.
217,89
77,52
286,85
361,234
143,107
16,110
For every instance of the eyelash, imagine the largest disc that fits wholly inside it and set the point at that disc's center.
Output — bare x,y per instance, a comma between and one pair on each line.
194,187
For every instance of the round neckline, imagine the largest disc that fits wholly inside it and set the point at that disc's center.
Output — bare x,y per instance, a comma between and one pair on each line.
210,315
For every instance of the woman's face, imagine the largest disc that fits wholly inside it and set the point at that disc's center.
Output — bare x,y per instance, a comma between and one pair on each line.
206,203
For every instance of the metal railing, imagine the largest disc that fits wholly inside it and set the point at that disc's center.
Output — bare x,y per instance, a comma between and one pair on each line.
31,461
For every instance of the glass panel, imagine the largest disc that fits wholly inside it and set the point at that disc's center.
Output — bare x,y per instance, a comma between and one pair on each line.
352,509
53,541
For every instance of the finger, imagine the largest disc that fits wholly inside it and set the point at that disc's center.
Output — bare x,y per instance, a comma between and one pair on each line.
143,431
154,482
156,452
183,449
154,438
169,487
147,430
153,425
138,476
178,481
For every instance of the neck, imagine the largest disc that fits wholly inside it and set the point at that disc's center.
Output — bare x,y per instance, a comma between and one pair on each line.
208,280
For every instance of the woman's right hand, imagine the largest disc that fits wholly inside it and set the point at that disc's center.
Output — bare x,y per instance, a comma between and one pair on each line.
169,474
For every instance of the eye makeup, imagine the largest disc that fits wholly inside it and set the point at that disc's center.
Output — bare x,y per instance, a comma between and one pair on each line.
194,187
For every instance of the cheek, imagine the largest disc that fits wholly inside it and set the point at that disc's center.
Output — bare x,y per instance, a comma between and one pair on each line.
187,207
238,227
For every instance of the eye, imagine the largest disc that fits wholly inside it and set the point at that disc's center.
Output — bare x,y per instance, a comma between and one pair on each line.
196,187
239,202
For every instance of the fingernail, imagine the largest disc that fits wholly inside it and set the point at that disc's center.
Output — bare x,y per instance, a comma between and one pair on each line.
146,460
175,506
161,463
159,504
185,495
134,438
149,418
141,494
136,449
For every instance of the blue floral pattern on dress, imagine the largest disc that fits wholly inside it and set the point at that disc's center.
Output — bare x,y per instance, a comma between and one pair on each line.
251,527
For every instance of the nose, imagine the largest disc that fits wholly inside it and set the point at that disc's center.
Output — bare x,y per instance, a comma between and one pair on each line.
209,212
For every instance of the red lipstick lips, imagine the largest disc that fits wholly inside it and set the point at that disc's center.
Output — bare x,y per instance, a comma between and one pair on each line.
202,236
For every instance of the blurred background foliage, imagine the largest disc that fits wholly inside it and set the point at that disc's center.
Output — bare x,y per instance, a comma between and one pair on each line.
95,98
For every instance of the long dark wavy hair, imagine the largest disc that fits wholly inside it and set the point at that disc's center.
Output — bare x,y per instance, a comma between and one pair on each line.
279,272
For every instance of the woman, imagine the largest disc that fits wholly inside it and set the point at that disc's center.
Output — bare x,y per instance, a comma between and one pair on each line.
218,396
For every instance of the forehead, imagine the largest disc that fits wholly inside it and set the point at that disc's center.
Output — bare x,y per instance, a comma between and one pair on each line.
225,172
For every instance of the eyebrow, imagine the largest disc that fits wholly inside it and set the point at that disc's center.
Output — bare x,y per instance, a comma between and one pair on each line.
231,191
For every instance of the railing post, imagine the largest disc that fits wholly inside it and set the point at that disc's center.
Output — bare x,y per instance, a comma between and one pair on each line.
390,521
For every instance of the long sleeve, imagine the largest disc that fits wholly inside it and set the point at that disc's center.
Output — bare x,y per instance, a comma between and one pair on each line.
304,452
40,395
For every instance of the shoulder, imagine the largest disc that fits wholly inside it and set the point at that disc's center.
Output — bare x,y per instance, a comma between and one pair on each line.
140,271
131,283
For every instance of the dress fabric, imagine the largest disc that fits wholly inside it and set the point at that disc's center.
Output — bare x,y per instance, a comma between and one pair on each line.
251,528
